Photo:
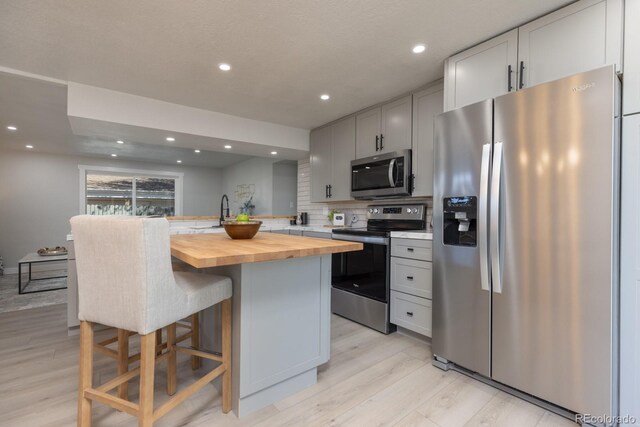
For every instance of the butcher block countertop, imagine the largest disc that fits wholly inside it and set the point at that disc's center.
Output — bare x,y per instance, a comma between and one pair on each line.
215,250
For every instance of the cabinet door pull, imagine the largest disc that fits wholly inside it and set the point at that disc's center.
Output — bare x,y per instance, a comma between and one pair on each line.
410,249
326,191
381,139
509,72
521,76
410,313
377,138
409,277
330,195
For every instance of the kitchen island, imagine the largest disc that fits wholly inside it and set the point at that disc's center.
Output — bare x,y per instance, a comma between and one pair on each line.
281,308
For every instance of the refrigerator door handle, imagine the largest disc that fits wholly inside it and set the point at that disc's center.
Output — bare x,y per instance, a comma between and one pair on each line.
496,178
482,217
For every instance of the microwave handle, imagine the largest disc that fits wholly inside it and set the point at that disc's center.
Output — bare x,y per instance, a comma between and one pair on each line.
392,180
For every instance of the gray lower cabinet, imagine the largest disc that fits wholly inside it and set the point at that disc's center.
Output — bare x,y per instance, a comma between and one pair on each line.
72,288
317,234
411,248
411,312
411,278
280,231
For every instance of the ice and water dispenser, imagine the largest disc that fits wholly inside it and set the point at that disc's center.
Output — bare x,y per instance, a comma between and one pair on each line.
460,221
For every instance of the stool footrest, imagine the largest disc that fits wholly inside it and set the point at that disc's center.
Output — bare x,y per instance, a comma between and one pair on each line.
199,353
184,394
114,402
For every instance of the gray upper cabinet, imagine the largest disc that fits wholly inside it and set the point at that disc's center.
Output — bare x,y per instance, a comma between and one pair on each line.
332,149
368,128
631,88
384,128
320,147
343,140
580,37
427,104
396,125
484,71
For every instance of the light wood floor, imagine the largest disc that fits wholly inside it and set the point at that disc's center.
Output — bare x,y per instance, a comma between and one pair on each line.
371,380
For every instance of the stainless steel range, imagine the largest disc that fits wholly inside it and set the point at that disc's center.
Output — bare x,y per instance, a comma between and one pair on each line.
360,280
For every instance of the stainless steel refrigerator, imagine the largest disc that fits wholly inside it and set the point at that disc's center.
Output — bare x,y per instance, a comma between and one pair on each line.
525,242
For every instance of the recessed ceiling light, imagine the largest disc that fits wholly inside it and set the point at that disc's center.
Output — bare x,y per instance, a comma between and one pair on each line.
120,141
179,161
170,139
273,153
196,151
29,146
12,128
114,155
228,147
419,48
325,97
224,66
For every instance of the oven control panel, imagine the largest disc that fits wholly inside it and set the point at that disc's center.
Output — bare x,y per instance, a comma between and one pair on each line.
397,212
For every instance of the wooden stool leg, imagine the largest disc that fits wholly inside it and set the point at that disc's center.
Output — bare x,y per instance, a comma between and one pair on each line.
159,342
147,366
171,360
123,362
226,355
86,373
195,339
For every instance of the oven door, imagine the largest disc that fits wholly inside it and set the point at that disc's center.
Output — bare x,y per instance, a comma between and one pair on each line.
364,272
386,175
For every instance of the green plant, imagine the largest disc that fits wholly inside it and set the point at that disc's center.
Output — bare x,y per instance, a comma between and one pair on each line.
331,214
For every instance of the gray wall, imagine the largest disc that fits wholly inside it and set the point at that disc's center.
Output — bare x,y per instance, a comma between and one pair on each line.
40,192
275,184
257,171
285,188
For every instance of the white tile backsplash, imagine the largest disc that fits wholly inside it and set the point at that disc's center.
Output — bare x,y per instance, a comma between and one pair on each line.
316,211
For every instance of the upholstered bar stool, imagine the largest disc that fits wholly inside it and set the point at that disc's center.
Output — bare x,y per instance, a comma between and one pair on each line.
125,281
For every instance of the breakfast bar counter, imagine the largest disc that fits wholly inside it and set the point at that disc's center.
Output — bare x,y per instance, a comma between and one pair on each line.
215,250
281,308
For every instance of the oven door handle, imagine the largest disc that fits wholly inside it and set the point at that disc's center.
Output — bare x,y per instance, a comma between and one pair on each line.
392,180
374,240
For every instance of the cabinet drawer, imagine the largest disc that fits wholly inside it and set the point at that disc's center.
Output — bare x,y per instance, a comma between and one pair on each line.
411,248
413,313
411,276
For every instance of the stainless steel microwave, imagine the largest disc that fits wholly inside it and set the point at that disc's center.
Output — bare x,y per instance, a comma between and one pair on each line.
382,176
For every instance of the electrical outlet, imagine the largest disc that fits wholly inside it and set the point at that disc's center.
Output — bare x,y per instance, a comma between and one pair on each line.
325,210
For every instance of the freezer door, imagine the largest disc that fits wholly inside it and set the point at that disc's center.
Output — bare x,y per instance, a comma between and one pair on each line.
461,298
556,230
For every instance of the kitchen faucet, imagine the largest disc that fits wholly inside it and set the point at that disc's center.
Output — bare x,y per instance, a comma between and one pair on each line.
222,215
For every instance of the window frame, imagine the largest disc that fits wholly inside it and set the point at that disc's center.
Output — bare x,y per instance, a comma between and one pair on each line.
134,173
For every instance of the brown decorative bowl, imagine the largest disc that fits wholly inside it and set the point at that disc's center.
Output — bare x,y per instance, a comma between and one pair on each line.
241,230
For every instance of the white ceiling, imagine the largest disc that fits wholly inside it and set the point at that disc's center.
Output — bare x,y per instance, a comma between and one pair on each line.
39,110
284,53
